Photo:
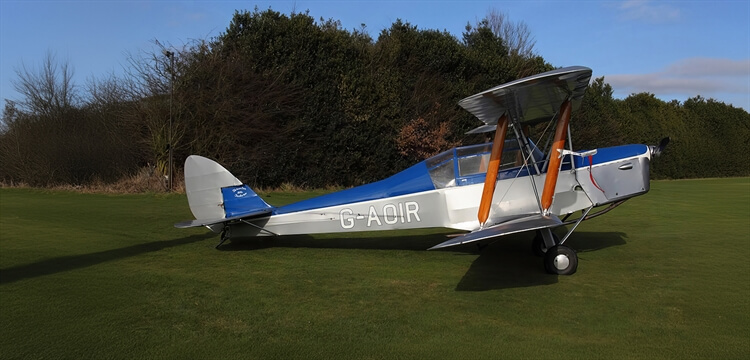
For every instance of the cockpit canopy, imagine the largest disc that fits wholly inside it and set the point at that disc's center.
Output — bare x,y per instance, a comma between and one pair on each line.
467,165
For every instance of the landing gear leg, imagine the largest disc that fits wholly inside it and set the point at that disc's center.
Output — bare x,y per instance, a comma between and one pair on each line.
544,240
560,259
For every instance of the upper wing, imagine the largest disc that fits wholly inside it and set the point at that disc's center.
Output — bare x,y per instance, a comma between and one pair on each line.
529,100
531,222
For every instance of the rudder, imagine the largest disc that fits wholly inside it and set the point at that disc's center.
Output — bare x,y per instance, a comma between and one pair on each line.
214,193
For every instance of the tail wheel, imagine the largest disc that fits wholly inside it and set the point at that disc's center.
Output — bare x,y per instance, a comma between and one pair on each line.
561,260
225,234
537,245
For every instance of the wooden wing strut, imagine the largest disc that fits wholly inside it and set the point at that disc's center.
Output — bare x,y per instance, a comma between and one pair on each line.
491,179
553,169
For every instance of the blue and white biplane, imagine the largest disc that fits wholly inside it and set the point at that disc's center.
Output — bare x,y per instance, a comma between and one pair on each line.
488,190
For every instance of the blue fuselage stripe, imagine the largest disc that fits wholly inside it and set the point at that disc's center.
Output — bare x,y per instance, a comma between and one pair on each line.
412,180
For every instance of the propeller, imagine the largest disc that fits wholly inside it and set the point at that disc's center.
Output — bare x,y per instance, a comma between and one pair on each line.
656,150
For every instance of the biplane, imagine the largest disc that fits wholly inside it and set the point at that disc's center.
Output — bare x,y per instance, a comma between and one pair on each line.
486,190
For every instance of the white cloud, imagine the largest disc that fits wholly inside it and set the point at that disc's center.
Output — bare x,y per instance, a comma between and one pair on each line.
722,79
709,67
646,10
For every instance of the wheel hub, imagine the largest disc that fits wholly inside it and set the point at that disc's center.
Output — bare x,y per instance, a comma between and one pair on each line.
561,262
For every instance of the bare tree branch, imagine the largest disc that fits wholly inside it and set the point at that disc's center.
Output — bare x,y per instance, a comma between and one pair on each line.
48,91
516,35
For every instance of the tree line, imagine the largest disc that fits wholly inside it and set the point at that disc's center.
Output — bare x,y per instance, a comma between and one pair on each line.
282,98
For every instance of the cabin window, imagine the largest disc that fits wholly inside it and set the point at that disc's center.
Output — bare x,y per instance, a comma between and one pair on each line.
473,159
471,165
468,165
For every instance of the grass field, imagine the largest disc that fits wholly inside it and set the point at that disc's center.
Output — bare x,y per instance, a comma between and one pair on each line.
666,275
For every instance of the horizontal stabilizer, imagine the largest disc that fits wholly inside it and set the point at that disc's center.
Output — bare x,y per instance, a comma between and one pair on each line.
196,223
532,222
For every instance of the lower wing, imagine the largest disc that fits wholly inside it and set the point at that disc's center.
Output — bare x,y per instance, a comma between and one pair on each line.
527,223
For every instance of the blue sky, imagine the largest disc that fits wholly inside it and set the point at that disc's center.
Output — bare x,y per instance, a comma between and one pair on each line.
673,49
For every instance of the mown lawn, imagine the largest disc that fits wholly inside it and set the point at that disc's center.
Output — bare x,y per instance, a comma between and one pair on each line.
666,275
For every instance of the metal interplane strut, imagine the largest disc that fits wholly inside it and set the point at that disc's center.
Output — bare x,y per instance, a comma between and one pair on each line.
516,113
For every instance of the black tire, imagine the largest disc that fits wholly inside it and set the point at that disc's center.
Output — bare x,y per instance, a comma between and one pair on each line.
561,260
537,245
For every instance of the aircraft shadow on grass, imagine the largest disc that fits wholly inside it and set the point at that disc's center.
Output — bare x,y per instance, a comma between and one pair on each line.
418,242
510,263
73,262
505,263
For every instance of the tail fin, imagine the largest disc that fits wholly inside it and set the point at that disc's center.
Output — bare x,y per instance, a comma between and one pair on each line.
214,193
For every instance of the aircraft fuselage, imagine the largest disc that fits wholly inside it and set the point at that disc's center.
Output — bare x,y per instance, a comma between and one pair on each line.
609,179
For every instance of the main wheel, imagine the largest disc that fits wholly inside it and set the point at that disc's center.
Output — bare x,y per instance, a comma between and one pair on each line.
537,245
561,260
